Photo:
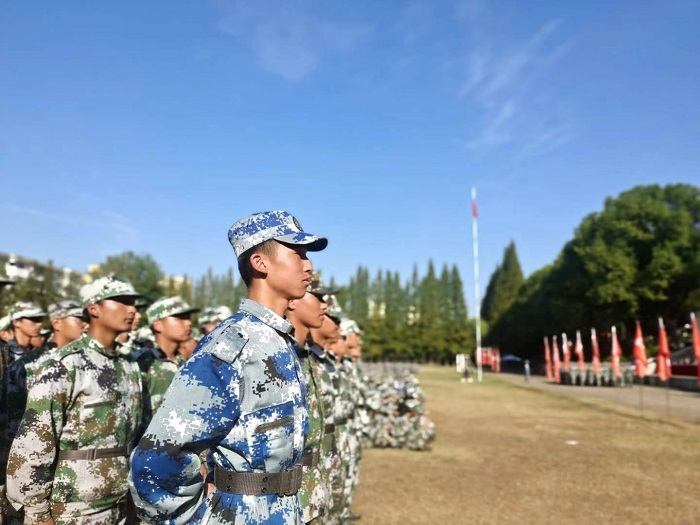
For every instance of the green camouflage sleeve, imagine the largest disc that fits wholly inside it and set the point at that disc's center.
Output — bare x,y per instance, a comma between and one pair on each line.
33,452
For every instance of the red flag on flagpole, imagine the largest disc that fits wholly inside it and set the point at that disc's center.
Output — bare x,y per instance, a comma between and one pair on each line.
555,360
640,353
579,353
615,353
663,358
475,212
696,341
547,359
596,352
566,351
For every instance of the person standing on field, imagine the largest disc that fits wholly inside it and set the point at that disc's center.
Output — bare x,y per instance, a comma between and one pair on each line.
69,461
241,395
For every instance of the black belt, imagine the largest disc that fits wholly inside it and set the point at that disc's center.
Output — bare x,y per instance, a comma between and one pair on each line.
94,453
285,483
311,458
329,428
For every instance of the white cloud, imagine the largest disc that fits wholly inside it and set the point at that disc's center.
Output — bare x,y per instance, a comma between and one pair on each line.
503,75
286,40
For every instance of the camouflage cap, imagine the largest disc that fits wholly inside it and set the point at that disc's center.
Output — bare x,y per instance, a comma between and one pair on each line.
5,323
214,314
144,334
317,288
167,306
105,288
67,308
279,225
348,326
25,309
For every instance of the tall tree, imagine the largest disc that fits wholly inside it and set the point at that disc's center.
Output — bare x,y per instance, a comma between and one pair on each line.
142,270
508,279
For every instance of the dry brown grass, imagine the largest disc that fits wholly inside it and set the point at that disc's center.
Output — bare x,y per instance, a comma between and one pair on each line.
501,457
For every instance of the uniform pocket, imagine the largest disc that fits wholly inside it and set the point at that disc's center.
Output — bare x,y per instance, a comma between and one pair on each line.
270,434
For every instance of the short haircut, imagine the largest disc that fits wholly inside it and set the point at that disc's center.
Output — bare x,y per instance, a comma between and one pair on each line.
268,248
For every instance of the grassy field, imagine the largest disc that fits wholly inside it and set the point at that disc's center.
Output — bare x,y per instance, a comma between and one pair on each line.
509,454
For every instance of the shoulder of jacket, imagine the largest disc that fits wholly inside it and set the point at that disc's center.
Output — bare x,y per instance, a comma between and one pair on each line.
70,349
229,342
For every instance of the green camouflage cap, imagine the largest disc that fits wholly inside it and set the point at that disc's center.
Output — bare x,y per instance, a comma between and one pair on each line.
24,309
5,322
348,326
167,306
67,308
214,314
317,288
105,288
144,334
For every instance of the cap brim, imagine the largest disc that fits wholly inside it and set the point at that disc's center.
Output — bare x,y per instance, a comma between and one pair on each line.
312,242
187,311
323,290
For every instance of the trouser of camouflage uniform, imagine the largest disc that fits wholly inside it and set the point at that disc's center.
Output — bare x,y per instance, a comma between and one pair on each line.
353,467
321,484
339,512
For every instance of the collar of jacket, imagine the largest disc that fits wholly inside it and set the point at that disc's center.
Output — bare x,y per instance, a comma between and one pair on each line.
267,316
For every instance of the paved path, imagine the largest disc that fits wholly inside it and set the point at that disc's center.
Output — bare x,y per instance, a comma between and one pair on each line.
649,399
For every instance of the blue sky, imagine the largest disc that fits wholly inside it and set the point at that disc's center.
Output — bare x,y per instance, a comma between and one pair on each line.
153,126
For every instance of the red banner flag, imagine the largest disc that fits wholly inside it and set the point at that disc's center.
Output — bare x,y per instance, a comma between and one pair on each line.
565,349
579,353
663,359
596,352
615,353
547,359
475,212
555,360
696,341
640,353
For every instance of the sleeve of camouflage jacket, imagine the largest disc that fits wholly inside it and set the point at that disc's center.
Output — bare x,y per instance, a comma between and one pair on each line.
30,468
198,411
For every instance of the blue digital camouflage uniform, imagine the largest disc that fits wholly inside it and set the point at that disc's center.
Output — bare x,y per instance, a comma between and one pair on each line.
242,396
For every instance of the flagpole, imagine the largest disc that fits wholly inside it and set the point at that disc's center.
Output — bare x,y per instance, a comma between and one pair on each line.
477,295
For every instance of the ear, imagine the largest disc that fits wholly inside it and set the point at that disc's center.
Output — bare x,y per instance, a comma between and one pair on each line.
55,324
259,262
93,310
292,305
157,326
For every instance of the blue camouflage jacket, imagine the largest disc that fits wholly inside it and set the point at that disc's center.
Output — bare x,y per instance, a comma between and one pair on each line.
242,396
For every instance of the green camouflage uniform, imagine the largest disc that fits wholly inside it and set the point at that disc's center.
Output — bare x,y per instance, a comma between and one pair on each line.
157,373
314,494
355,427
86,397
343,414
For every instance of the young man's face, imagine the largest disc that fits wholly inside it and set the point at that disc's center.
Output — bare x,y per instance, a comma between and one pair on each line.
289,271
137,321
187,348
28,326
354,345
310,310
177,328
329,329
339,347
209,327
70,327
6,335
115,313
